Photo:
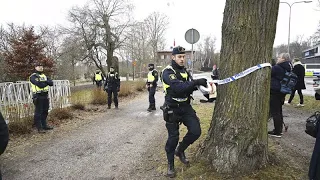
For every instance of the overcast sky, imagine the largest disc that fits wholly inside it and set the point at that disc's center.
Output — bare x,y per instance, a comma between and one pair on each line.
204,15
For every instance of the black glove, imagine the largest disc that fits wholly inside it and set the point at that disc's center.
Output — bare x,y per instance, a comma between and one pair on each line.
201,82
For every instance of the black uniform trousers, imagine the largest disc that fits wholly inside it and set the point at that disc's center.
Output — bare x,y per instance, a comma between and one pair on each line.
188,117
276,102
152,92
114,91
99,84
41,103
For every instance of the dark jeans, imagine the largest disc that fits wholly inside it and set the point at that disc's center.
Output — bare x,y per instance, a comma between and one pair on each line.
276,102
112,90
152,92
189,118
41,111
293,93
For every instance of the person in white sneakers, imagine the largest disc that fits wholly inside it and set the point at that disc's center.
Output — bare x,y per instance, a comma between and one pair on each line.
299,70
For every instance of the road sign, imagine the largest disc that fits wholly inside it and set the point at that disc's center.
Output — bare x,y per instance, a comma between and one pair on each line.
134,62
192,36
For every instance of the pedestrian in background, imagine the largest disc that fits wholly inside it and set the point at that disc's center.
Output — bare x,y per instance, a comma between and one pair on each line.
299,70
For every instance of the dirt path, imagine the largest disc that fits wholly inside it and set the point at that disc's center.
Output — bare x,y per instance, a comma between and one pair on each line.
123,144
295,144
106,148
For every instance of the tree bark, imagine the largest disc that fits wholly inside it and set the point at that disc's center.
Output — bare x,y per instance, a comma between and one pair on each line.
237,140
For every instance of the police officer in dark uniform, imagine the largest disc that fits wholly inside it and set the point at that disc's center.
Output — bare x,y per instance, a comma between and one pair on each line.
4,137
152,86
40,87
112,86
178,86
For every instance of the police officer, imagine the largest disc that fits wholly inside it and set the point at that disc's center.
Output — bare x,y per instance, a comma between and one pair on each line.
178,86
152,86
112,86
40,86
98,78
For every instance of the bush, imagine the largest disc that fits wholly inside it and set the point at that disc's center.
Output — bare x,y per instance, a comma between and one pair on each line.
98,97
78,106
140,85
21,125
61,114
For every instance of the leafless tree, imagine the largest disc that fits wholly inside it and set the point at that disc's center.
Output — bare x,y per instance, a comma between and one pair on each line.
102,26
156,25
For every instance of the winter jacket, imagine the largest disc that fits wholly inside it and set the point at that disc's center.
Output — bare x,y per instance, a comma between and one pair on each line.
299,70
277,73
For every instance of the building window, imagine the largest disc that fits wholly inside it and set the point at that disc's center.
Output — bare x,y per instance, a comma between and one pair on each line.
162,56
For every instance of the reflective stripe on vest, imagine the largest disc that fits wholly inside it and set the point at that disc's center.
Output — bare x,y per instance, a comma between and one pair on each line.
151,78
98,77
166,86
36,89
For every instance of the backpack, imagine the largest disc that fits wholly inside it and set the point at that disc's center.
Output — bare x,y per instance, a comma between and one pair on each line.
288,82
312,124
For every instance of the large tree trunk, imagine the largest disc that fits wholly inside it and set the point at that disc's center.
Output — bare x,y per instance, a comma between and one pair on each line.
237,139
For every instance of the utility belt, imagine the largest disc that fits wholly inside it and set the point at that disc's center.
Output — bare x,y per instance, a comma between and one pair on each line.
168,114
40,94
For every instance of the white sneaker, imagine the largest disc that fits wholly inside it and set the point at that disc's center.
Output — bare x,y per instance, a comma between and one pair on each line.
300,105
287,103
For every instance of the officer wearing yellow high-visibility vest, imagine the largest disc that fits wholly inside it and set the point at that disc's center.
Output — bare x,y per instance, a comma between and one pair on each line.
152,86
40,87
178,86
98,77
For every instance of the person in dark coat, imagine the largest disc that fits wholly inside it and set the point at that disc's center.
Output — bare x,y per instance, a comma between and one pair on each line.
314,168
278,71
299,70
4,136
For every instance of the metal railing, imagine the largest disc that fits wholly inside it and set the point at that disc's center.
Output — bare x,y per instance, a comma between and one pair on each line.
16,98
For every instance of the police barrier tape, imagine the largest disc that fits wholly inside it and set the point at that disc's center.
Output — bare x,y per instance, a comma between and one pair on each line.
210,89
242,74
16,98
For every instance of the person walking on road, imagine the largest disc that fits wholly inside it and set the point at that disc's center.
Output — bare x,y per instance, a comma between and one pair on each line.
178,86
299,70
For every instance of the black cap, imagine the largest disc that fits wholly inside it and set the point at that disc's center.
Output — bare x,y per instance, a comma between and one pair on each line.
150,65
178,50
38,64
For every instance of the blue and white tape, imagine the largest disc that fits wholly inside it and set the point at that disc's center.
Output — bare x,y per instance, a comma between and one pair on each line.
242,74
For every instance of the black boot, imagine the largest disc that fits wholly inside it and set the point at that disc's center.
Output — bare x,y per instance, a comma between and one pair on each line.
171,172
149,108
180,153
153,107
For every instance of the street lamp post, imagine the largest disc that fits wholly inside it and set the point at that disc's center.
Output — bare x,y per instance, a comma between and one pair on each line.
290,5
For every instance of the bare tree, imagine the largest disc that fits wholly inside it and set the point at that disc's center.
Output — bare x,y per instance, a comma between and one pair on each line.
101,25
207,48
156,24
237,138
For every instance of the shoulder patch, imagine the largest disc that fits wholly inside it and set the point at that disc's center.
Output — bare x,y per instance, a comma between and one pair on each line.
172,76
